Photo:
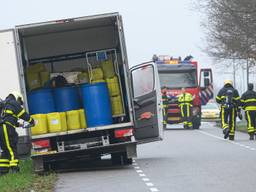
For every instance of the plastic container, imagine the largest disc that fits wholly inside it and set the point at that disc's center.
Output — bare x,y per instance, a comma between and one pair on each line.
96,74
98,81
82,119
83,77
40,124
33,80
113,86
66,98
73,120
44,77
36,68
41,102
117,106
63,119
54,122
108,69
97,104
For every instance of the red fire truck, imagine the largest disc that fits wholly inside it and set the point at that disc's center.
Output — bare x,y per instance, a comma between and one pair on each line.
174,74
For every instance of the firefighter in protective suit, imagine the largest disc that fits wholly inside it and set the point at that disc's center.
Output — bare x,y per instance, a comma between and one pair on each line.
165,105
185,103
248,102
11,112
229,99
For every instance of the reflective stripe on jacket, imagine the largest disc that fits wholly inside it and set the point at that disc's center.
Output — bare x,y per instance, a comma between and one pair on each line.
185,98
248,100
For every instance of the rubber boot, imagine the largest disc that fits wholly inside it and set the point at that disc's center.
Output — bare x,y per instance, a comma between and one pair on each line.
231,137
226,133
4,172
251,136
15,170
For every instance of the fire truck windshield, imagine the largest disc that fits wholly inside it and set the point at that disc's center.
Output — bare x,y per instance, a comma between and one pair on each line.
178,79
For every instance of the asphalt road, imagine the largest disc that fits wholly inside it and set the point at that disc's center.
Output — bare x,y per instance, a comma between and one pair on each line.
186,161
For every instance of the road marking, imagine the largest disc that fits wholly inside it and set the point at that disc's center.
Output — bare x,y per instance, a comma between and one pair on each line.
153,189
233,142
144,178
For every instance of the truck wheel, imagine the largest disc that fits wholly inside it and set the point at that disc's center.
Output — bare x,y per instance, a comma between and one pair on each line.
120,159
196,123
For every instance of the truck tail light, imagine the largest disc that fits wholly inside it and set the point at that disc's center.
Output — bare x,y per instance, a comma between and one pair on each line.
41,144
120,133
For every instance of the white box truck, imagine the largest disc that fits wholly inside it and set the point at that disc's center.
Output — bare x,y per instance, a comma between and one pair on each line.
69,45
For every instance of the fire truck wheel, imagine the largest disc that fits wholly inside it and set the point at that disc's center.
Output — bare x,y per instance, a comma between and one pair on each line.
196,123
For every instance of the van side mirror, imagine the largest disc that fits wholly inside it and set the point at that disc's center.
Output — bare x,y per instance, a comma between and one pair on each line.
206,73
206,82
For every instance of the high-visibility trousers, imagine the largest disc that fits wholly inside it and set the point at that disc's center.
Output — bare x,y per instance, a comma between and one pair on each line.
8,144
250,116
186,114
228,119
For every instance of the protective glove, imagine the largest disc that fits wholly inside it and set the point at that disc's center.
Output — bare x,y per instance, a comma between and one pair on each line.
32,123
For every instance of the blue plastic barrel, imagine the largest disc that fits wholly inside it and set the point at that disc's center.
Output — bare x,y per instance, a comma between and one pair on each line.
96,102
41,102
66,98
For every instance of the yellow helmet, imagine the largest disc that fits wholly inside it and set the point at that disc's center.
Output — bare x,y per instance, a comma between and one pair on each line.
17,95
228,81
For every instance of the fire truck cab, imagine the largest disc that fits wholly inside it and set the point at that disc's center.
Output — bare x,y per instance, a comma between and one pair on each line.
175,74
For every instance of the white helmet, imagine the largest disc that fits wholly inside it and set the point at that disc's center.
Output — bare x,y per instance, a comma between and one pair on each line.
17,95
228,81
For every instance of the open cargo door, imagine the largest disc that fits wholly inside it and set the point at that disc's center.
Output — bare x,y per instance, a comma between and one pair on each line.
206,85
147,104
9,79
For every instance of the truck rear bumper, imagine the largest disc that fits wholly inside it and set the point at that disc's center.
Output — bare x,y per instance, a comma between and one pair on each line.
40,159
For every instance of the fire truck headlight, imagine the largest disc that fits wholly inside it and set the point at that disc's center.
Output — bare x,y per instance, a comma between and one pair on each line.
195,111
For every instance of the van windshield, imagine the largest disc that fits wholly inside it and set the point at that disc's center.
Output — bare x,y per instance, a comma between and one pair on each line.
176,79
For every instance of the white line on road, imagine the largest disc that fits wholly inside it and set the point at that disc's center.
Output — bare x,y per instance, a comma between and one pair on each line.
233,142
150,184
144,178
153,189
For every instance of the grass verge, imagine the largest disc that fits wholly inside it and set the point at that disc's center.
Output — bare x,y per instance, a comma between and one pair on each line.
27,181
240,126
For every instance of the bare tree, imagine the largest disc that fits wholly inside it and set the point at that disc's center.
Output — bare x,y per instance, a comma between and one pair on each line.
231,29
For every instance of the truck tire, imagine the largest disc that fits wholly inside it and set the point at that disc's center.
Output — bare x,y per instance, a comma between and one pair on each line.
120,159
196,123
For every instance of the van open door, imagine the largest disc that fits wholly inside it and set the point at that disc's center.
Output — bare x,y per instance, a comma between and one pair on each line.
9,79
206,85
147,103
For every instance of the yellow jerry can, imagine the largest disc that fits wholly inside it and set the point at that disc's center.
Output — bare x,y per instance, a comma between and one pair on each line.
40,124
54,122
73,120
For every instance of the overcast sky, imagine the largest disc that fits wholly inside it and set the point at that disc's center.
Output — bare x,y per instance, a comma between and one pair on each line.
160,27
151,27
